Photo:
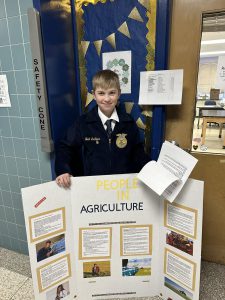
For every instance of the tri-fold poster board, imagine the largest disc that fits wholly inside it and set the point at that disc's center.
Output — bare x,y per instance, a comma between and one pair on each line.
111,237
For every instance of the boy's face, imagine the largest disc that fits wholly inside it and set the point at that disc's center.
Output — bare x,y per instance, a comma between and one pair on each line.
106,99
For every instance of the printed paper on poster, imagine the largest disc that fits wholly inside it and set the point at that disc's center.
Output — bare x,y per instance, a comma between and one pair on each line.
53,273
181,219
136,240
180,269
95,243
47,223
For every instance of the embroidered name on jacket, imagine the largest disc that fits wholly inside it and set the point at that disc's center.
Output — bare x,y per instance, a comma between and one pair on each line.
92,139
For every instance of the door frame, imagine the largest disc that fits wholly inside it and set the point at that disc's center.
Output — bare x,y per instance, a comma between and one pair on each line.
184,52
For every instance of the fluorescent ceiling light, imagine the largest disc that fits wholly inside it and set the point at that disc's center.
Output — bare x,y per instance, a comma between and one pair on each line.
211,53
211,42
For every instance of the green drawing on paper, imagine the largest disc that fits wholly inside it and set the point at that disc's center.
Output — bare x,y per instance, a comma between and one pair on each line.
120,67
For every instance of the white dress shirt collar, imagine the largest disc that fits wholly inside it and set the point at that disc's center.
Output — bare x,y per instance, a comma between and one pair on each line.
104,118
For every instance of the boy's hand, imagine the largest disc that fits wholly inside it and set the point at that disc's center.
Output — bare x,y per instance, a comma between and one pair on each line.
64,180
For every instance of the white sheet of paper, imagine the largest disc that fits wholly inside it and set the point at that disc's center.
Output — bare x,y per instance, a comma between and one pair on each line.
120,63
220,73
155,182
4,93
161,87
168,175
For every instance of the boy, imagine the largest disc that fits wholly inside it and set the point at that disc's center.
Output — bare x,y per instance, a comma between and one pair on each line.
108,138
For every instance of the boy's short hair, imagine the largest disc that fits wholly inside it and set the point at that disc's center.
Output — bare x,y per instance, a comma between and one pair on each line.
105,79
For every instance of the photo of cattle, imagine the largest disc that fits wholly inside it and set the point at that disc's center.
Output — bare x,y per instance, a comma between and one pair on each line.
180,242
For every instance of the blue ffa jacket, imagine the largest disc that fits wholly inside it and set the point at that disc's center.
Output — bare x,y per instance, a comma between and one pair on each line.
86,149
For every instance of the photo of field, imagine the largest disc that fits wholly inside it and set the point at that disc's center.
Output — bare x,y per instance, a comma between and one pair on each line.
96,269
136,267
178,289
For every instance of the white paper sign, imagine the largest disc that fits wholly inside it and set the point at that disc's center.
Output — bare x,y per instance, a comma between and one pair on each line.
120,63
4,93
220,74
168,175
117,240
161,87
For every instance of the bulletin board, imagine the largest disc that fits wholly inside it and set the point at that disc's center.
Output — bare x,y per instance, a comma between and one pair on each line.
105,26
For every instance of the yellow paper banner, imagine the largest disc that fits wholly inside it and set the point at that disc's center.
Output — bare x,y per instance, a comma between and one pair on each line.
135,15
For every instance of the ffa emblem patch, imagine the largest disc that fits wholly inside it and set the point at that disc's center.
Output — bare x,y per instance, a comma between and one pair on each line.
121,140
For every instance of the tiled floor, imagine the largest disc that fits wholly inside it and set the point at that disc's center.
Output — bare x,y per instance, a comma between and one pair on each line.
15,276
16,282
14,286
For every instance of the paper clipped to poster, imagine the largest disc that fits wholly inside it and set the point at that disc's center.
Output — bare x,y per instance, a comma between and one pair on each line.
168,175
161,87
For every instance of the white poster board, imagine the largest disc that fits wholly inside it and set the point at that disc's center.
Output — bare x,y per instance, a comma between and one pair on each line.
120,240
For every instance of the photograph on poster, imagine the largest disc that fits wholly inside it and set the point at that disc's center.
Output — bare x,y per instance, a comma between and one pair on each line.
95,243
50,247
59,292
46,224
181,219
136,240
136,267
54,272
180,242
179,268
176,288
96,269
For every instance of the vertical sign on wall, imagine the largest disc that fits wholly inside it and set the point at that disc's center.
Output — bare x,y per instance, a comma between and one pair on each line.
39,80
220,73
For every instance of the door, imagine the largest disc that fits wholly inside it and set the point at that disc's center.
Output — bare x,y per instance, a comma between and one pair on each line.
186,23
